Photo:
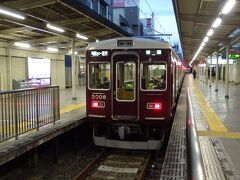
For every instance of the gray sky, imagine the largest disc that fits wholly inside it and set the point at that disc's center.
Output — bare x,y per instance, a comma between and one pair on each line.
164,12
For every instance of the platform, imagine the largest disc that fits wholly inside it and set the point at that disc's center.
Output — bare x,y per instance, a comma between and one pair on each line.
72,114
218,129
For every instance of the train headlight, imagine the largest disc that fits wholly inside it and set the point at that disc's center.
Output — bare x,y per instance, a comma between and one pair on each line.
155,105
98,104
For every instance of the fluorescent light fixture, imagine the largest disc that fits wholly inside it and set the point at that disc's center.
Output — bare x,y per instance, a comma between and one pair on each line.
203,44
12,14
70,52
81,36
52,49
19,44
205,39
55,28
217,22
228,6
210,32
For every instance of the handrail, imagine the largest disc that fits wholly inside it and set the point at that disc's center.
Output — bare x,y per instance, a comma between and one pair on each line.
27,109
195,162
26,89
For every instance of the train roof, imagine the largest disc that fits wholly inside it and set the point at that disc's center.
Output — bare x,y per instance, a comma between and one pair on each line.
138,43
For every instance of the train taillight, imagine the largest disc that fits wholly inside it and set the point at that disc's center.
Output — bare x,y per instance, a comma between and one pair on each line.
98,104
156,106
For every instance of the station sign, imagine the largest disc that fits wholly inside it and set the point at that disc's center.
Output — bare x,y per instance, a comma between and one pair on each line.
234,56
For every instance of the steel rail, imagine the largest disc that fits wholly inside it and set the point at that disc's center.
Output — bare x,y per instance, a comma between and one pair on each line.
89,167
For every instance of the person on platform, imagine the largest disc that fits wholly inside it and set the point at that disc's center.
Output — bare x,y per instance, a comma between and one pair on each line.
194,74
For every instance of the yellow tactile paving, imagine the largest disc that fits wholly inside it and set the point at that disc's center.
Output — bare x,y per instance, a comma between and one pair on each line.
231,135
214,122
72,107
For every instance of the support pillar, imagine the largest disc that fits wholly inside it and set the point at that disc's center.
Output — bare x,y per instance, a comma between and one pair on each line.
206,73
9,69
73,71
210,75
217,73
227,74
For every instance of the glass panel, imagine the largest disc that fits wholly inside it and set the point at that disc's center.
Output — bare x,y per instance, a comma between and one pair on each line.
99,75
126,73
153,76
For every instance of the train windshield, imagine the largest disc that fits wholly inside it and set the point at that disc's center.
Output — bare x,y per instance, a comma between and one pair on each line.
99,76
153,76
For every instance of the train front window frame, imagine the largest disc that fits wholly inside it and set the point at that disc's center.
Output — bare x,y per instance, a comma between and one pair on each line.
159,80
102,81
124,86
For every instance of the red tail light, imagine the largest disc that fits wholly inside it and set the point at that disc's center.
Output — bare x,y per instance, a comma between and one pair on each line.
98,104
156,105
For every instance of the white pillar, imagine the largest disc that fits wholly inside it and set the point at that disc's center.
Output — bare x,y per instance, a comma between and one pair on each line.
227,74
9,69
217,73
73,70
206,73
210,78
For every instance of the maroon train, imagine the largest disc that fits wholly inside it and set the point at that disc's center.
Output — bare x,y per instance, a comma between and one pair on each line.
132,86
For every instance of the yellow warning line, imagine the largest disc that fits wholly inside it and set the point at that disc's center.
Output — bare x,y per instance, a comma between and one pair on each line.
72,107
231,135
214,122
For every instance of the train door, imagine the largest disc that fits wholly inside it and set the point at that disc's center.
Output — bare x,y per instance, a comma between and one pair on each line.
125,86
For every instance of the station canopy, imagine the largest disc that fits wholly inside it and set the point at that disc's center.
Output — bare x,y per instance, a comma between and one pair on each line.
70,15
195,18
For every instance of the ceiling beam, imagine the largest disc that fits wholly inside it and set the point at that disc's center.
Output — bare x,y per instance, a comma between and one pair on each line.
73,21
29,4
200,36
41,26
207,20
47,40
14,30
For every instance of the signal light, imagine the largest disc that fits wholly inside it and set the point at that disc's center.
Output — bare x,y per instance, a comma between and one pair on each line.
156,105
98,104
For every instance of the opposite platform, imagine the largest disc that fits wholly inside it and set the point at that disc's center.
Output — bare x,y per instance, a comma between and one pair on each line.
72,114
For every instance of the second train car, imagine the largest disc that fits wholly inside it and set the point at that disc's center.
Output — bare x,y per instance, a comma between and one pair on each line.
132,88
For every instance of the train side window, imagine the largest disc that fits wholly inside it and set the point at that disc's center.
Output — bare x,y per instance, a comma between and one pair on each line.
126,77
99,76
153,76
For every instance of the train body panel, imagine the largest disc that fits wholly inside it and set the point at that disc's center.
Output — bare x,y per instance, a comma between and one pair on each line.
132,87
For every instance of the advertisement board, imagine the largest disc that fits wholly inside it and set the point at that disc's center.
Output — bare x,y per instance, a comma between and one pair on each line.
125,3
118,3
38,68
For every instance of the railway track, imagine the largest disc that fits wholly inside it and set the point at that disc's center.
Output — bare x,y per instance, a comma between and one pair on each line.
120,165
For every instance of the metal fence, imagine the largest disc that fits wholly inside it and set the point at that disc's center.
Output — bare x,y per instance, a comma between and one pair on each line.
195,162
24,110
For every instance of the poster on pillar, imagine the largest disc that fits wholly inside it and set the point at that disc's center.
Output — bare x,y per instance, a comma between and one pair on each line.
39,71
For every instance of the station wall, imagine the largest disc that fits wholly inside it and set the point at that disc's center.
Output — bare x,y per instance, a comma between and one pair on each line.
18,66
234,72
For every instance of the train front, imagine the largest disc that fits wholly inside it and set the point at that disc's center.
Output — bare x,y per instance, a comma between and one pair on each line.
128,97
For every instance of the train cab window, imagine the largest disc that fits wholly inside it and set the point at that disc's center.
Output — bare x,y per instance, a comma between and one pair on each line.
153,76
99,76
126,77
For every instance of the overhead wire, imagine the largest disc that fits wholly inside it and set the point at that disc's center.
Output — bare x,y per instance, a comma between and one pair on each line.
156,18
147,17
